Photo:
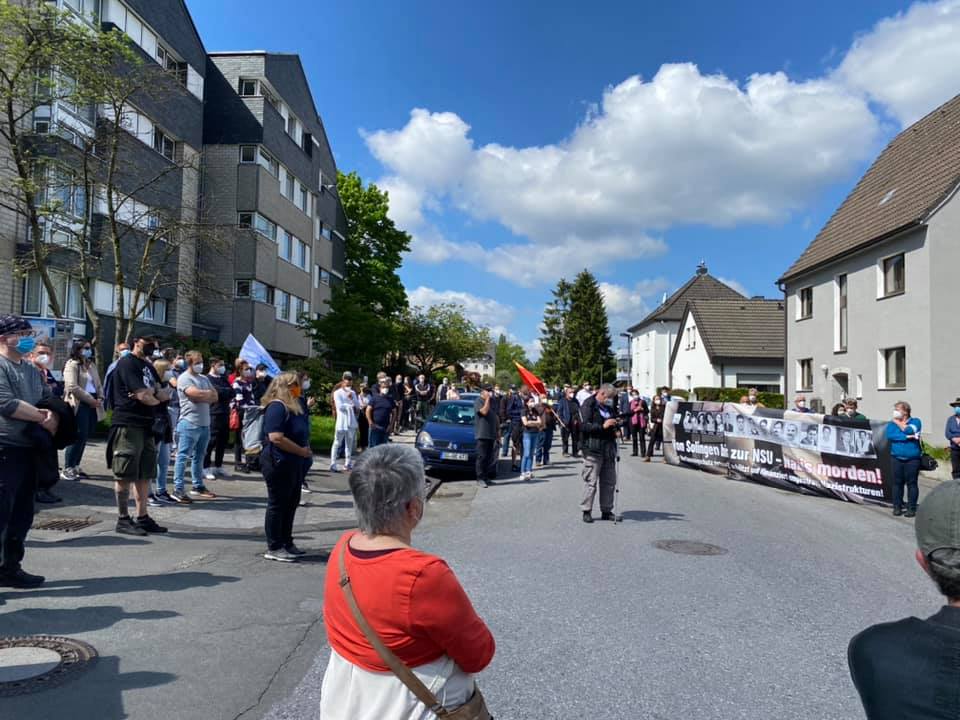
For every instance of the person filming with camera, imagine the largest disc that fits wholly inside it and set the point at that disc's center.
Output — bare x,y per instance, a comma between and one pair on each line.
598,431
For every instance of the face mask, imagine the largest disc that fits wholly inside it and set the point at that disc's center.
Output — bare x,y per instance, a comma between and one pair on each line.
956,411
656,401
295,391
221,370
124,353
753,399
261,375
182,364
801,403
851,412
26,344
897,415
305,385
156,355
634,397
384,391
198,368
168,376
43,360
86,353
608,402
248,373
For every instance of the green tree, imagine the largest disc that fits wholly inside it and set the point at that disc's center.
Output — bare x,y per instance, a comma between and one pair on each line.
508,353
434,338
359,329
576,336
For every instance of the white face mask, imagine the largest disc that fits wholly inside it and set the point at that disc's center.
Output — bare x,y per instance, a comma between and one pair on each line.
198,368
43,359
384,391
897,415
222,370
801,403
305,385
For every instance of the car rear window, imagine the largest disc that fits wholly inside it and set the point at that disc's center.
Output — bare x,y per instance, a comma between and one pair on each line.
453,414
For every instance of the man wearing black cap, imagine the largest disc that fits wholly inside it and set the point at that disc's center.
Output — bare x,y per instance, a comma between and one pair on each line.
952,434
486,425
21,388
908,669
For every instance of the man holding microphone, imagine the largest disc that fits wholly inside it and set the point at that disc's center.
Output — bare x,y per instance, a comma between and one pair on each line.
598,431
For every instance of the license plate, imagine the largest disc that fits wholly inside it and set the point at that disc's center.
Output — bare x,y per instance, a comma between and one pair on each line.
462,457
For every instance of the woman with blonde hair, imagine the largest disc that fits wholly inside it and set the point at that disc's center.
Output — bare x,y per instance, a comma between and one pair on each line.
285,454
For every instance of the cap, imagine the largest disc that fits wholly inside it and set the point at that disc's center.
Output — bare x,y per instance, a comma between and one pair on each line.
347,375
938,518
10,324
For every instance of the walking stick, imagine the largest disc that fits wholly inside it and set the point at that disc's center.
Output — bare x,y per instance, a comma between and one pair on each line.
617,517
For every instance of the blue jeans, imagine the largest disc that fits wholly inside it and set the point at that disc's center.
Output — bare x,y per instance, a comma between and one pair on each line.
543,447
192,444
377,437
163,464
86,419
530,440
906,472
505,439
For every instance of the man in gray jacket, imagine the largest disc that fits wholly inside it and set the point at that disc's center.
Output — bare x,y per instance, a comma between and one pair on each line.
21,388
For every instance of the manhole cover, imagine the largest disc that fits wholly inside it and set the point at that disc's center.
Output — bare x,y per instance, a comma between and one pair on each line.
689,547
36,662
63,524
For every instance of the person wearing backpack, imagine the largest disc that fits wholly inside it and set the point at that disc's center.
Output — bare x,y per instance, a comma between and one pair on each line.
286,452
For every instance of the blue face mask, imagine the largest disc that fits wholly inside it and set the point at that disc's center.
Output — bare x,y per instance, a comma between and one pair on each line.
956,411
86,353
124,353
26,344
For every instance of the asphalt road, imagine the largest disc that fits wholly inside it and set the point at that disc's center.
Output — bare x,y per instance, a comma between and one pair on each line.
594,621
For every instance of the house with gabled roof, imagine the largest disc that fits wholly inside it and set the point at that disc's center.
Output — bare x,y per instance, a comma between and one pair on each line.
870,307
730,343
652,339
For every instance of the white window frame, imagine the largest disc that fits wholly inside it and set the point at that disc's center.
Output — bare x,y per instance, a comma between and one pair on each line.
799,308
269,230
882,293
882,368
71,303
255,152
839,346
268,162
256,87
801,384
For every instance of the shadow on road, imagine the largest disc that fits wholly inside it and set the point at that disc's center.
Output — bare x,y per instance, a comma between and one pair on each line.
651,516
57,621
165,582
91,541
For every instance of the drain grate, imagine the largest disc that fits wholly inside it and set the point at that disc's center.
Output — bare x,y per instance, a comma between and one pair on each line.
689,547
63,524
75,657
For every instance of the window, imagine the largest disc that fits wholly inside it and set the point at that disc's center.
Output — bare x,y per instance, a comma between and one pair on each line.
283,305
287,187
286,246
155,311
36,302
41,126
303,257
805,303
265,227
805,374
893,275
242,289
692,337
163,143
292,128
859,387
248,153
245,220
269,162
894,362
841,313
325,232
324,277
304,201
248,88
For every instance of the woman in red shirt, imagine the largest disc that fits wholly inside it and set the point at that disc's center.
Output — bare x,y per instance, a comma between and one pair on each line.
410,598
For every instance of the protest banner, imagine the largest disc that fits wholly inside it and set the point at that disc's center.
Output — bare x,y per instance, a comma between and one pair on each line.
817,454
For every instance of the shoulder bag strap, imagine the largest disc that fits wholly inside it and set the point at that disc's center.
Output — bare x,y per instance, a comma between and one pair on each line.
404,673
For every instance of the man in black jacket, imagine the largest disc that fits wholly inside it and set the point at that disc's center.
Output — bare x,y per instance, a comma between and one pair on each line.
598,430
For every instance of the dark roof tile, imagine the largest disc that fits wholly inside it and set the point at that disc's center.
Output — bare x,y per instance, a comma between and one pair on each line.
701,286
741,328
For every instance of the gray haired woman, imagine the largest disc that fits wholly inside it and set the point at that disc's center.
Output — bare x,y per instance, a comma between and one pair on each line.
412,604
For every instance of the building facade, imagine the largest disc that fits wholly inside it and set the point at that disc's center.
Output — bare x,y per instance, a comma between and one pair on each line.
228,145
269,174
730,343
652,339
869,301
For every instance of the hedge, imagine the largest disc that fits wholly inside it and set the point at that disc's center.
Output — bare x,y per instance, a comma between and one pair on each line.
733,395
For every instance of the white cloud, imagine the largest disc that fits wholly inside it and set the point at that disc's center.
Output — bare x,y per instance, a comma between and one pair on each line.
626,306
909,62
734,284
485,312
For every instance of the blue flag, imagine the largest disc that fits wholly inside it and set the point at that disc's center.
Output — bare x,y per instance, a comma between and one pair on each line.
256,354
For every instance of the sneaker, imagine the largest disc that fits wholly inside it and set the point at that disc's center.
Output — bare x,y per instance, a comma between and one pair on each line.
69,474
126,526
202,492
280,555
305,487
208,474
334,468
152,501
897,512
149,525
180,497
164,498
20,579
910,513
587,516
294,550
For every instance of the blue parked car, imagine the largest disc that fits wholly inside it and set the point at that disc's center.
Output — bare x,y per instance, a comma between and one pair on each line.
446,440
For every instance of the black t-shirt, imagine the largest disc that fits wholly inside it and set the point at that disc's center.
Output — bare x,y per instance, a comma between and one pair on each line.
130,375
485,427
381,407
909,669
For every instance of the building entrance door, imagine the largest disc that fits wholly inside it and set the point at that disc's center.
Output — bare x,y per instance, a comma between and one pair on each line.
841,386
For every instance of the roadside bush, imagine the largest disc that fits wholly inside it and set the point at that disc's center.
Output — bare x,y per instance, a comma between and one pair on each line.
733,395
678,393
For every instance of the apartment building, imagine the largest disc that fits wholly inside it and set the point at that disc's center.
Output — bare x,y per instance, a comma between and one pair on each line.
229,144
269,173
162,141
868,302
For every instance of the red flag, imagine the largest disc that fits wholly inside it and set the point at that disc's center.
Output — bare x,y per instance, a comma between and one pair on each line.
531,380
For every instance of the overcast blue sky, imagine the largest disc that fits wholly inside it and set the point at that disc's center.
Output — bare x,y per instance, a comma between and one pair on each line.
524,141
